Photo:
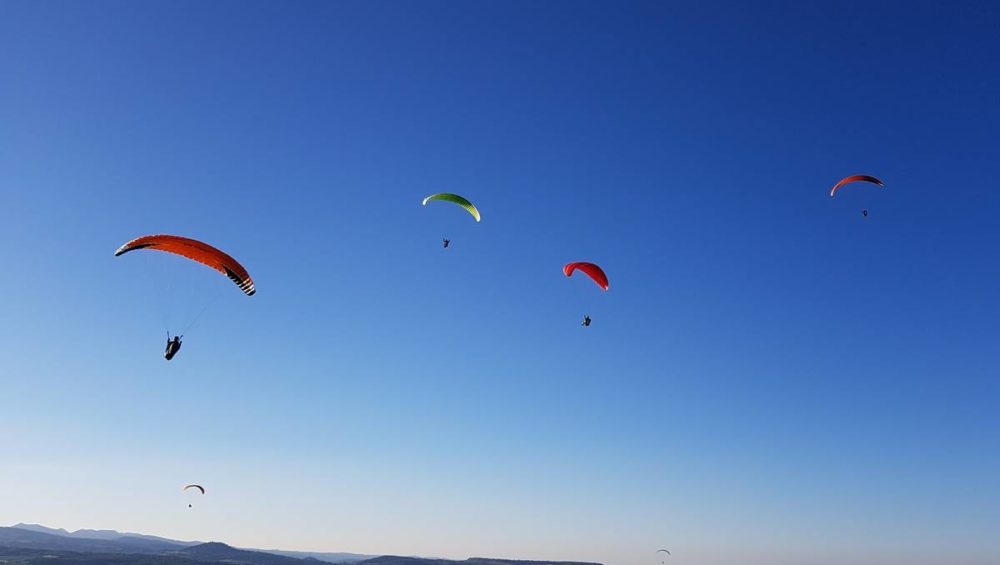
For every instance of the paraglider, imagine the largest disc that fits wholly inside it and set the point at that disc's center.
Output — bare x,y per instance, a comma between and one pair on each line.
173,346
198,487
855,178
595,273
591,270
659,551
196,251
456,199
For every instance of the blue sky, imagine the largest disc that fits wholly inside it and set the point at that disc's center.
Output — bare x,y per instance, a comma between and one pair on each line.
771,378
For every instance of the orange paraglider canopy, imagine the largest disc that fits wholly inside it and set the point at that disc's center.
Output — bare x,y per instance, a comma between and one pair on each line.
855,178
591,270
196,251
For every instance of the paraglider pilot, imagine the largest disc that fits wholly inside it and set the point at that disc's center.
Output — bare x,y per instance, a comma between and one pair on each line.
173,346
586,321
446,243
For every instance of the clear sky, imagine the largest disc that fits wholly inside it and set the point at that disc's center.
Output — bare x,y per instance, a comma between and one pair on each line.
772,378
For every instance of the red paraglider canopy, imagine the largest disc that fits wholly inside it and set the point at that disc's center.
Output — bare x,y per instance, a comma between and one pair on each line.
855,178
591,270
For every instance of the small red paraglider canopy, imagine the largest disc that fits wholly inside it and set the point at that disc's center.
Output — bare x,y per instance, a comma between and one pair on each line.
855,178
591,270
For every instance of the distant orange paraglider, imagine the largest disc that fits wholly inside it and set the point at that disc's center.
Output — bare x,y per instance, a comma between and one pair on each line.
855,178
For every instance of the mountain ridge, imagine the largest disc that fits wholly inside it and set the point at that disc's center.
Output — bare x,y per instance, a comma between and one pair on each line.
100,534
95,547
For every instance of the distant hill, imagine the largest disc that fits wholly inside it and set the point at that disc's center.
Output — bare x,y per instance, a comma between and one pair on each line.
30,539
42,529
27,556
101,544
494,561
31,544
397,560
216,551
329,557
127,542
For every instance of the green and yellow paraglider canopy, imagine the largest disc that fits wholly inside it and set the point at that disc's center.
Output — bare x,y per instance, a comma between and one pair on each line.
456,199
